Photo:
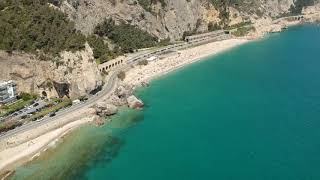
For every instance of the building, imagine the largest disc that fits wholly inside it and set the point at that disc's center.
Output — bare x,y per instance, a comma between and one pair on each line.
8,92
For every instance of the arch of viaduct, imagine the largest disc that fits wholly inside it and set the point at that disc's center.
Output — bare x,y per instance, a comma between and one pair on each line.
111,65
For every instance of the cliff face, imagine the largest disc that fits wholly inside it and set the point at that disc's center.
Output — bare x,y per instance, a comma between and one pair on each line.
171,20
276,7
75,74
255,9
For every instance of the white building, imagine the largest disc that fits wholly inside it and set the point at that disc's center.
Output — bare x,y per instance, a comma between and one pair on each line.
8,92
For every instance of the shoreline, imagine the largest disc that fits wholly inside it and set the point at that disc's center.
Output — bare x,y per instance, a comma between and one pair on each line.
12,156
181,58
29,150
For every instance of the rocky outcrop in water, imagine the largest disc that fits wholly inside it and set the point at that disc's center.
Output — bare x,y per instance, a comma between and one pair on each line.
134,102
122,96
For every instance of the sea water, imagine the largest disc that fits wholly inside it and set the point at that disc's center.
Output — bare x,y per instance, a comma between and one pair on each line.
250,113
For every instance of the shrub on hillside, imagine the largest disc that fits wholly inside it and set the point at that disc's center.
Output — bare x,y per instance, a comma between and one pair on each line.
128,37
32,26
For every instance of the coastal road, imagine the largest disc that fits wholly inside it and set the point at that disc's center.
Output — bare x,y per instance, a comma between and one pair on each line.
90,102
108,87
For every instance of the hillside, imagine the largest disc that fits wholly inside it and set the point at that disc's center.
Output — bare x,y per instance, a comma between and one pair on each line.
53,26
55,33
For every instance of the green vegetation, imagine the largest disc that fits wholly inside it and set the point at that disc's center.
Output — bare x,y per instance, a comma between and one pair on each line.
99,47
35,27
238,25
101,52
32,26
146,4
54,108
25,100
242,31
26,96
222,6
127,37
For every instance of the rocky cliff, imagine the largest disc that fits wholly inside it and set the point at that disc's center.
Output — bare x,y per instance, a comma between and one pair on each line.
169,20
74,74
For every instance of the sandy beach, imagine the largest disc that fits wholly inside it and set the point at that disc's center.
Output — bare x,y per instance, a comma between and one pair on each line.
139,74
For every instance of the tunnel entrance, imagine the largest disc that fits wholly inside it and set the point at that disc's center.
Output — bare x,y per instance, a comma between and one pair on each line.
62,89
44,94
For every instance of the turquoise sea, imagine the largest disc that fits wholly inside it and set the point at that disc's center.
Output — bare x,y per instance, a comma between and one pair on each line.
250,113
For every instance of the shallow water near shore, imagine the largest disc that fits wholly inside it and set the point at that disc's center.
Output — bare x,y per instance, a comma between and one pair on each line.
249,113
